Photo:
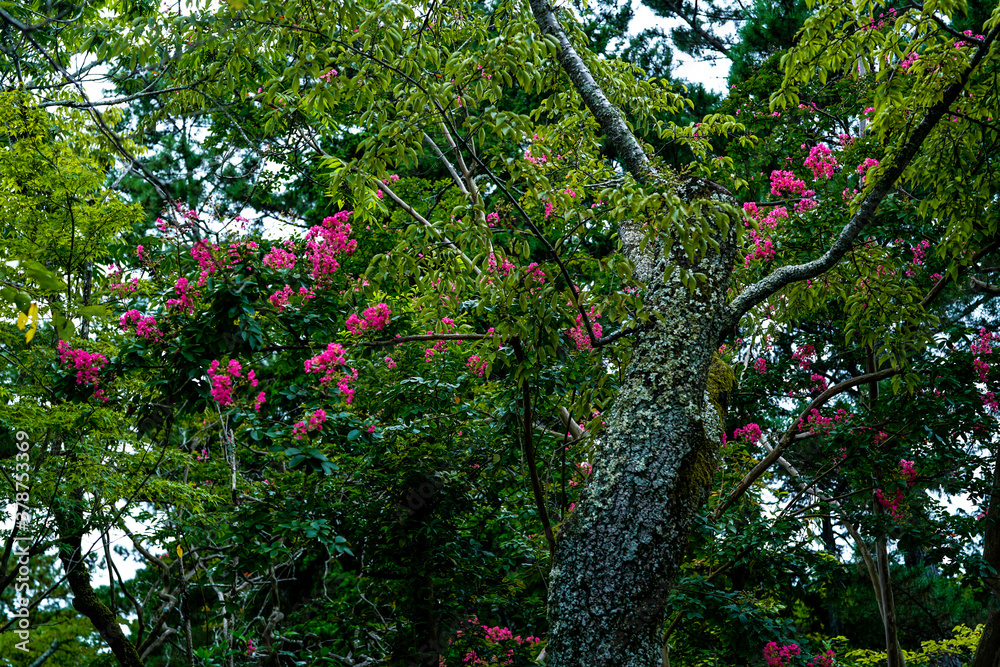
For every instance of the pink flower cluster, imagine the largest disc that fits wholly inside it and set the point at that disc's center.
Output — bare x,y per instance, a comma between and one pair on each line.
968,33
820,384
751,432
911,58
821,161
919,254
891,504
121,289
280,298
822,659
579,332
143,327
819,423
775,655
907,471
535,160
536,273
760,365
279,258
980,348
505,265
87,365
222,381
774,215
805,355
329,363
476,365
202,253
491,637
183,300
375,318
326,241
316,421
785,182
762,248
865,166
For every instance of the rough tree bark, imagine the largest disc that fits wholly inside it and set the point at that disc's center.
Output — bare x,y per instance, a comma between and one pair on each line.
619,553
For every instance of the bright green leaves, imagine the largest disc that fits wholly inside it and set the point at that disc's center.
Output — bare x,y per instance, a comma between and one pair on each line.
46,279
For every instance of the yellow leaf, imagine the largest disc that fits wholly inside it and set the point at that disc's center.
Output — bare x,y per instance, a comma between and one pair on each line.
180,552
22,319
31,334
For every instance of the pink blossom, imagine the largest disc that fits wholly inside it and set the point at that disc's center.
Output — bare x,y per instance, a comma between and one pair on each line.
785,182
822,659
579,332
328,363
375,318
87,365
143,327
760,365
804,354
865,166
777,655
751,432
222,380
279,258
280,298
183,300
763,248
390,362
536,273
891,504
476,365
805,204
821,161
906,469
505,265
327,241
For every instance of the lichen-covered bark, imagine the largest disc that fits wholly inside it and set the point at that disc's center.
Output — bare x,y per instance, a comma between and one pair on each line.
619,552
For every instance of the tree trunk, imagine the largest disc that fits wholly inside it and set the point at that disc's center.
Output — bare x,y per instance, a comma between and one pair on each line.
85,600
894,654
619,553
988,651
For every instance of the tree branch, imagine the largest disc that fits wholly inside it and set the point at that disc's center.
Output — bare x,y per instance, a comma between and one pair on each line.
865,215
789,434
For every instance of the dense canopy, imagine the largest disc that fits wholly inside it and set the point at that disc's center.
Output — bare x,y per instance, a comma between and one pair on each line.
468,333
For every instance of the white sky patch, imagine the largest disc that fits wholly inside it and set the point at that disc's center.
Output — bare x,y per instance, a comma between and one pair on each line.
711,72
